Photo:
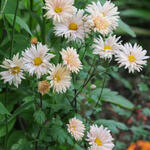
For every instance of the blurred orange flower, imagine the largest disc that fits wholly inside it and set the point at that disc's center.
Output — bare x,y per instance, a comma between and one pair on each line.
140,145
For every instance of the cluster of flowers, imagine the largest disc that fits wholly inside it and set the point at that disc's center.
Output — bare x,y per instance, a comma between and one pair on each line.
140,145
99,138
36,60
74,26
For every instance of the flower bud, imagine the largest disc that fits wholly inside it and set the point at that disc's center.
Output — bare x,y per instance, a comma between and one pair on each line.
44,87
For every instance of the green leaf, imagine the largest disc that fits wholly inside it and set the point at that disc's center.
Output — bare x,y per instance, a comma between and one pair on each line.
19,21
140,13
146,111
118,77
56,131
112,125
113,97
22,144
3,110
3,128
124,27
143,87
39,117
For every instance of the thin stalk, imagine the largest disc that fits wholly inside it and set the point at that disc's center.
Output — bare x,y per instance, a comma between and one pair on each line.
13,29
87,79
12,42
31,10
41,99
6,118
3,8
37,138
103,85
44,27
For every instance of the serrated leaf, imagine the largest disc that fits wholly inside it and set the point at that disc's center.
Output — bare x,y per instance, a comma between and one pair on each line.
112,125
39,117
19,21
111,97
58,134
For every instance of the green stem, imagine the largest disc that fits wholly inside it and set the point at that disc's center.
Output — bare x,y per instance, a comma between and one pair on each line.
103,85
13,29
6,118
43,27
4,6
31,10
12,42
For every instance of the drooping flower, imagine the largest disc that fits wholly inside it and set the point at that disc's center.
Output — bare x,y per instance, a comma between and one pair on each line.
36,60
60,78
73,29
100,138
43,87
132,57
59,10
14,73
106,48
76,128
104,19
71,59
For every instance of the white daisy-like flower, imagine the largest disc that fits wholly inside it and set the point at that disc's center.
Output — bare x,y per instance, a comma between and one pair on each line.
71,59
106,48
132,57
60,78
36,60
100,138
59,10
14,73
73,29
104,19
76,128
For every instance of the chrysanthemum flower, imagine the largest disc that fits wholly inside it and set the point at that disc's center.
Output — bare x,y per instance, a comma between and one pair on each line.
106,48
71,59
43,87
100,138
76,128
14,73
73,29
104,18
36,59
141,145
60,78
132,57
59,10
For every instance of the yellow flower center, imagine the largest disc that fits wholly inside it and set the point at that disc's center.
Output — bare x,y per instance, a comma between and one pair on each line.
131,58
103,14
98,141
73,26
74,128
57,77
37,61
15,70
107,47
101,23
58,10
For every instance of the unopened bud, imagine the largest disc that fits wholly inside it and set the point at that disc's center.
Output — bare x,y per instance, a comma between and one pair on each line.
93,86
34,40
44,87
